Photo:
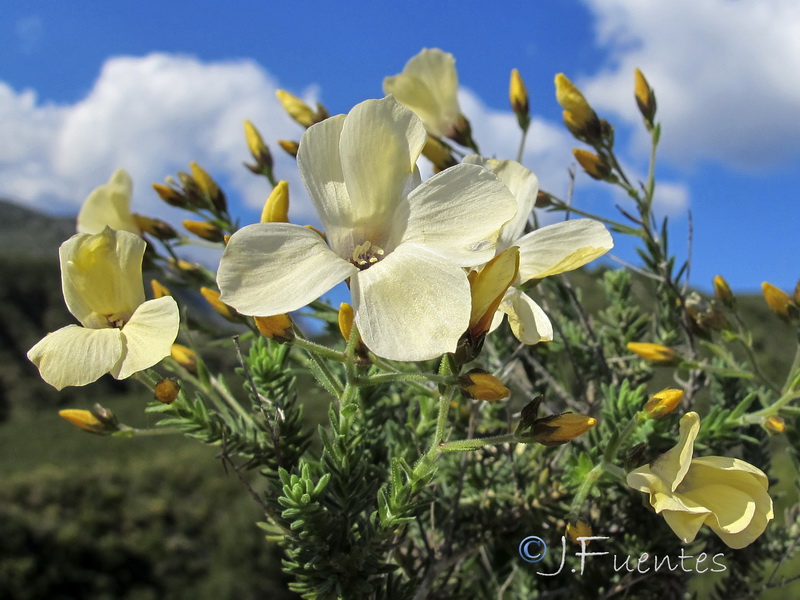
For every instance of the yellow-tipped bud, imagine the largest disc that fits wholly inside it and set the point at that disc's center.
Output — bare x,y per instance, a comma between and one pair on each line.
518,96
257,147
156,227
291,148
723,291
185,357
579,116
159,291
276,208
205,230
170,195
439,154
594,165
778,301
276,327
346,318
645,98
663,403
212,297
560,429
166,391
208,187
299,110
775,424
578,529
654,353
480,385
89,421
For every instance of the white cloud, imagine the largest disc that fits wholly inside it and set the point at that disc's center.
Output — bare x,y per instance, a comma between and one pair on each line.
150,115
724,72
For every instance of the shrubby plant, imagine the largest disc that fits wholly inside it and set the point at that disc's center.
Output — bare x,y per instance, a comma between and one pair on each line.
482,406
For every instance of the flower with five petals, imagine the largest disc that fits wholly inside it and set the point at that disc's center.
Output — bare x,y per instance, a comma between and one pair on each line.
401,244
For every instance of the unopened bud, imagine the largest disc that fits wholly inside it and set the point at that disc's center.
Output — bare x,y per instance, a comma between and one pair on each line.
723,291
166,391
291,148
654,353
555,430
461,133
594,165
156,227
170,195
276,208
439,154
645,98
212,297
543,199
209,188
258,149
775,424
518,96
480,385
87,421
205,230
159,291
663,403
276,327
346,318
578,529
185,357
579,117
299,110
778,301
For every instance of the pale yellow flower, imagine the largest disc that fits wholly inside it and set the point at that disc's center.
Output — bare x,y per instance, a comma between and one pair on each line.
727,494
101,277
109,205
428,86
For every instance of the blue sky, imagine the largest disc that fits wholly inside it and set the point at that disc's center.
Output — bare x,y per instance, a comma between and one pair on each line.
87,87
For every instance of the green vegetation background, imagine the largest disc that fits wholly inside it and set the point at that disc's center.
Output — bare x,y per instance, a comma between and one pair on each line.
104,518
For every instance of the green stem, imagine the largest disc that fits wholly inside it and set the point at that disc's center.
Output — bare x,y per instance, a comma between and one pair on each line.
319,349
391,377
126,432
474,444
771,410
522,143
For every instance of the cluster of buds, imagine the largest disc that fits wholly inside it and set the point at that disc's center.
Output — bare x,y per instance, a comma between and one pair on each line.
550,430
301,112
579,116
99,420
195,191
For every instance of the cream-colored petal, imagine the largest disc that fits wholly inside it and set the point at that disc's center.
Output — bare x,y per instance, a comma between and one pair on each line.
561,247
379,146
644,480
412,305
148,336
75,355
746,536
320,168
522,184
273,268
722,469
684,524
428,85
101,276
732,509
528,321
109,205
458,213
672,466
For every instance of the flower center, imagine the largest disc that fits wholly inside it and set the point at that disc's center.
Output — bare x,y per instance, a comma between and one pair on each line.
365,255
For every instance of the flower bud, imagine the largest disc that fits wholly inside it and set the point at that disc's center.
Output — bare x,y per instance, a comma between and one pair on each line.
439,154
156,227
299,110
209,188
663,403
170,195
480,385
723,291
654,353
518,96
166,391
775,424
276,327
778,301
159,291
346,320
212,297
258,149
579,117
462,132
185,357
276,208
578,529
595,166
205,230
289,147
88,421
555,430
645,98
543,199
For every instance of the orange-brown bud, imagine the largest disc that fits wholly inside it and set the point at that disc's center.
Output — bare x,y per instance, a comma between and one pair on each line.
156,227
663,403
654,353
595,166
212,297
480,385
578,529
555,430
170,195
775,424
276,327
205,230
166,391
291,148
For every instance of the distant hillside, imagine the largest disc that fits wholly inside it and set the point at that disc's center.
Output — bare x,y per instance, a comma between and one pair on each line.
25,232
